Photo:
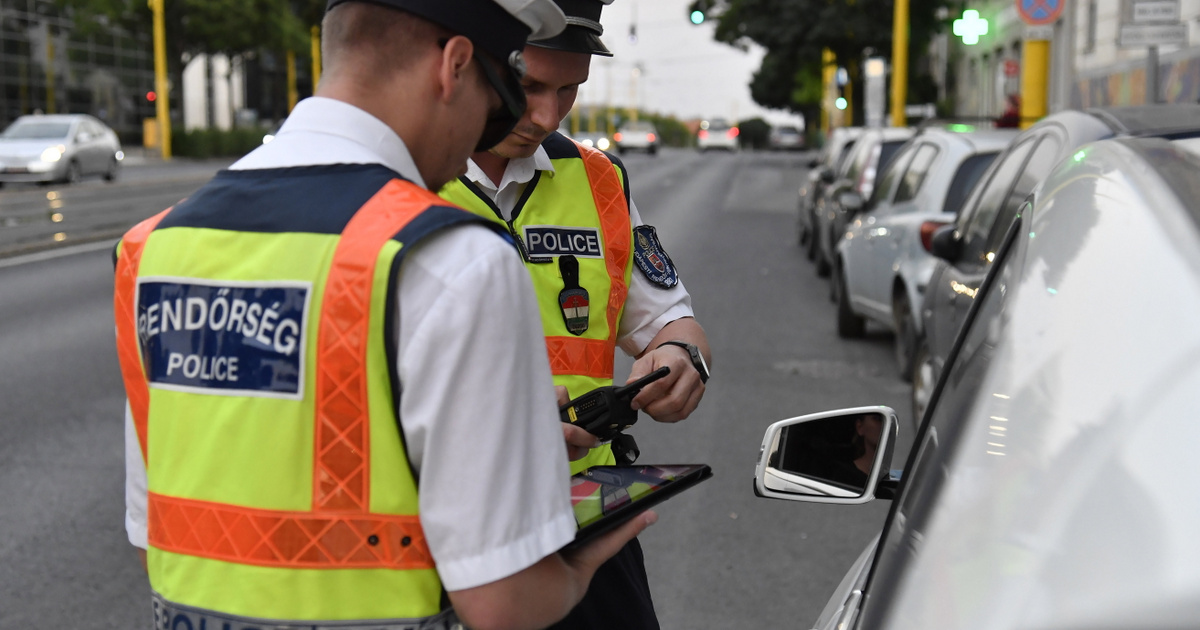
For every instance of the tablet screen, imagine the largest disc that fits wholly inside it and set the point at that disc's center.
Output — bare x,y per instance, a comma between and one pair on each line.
620,492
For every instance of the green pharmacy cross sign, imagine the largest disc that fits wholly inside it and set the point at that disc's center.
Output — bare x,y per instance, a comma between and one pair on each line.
970,26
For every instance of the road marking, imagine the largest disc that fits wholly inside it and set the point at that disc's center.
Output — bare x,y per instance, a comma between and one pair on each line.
56,253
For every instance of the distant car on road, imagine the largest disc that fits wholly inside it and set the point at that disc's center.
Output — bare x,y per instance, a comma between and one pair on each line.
58,148
786,138
594,139
1050,482
637,136
882,264
717,134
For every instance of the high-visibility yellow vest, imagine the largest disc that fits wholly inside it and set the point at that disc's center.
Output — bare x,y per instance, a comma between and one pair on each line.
255,344
581,210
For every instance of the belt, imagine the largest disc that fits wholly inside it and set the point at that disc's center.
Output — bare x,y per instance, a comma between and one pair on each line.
172,616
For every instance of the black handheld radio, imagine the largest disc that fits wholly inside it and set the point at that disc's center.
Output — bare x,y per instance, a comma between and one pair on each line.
605,411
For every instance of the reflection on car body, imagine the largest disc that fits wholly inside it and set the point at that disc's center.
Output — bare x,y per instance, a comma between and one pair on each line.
1049,484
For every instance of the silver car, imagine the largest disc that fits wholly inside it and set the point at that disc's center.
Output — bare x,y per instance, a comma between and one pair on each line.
1049,485
58,148
882,264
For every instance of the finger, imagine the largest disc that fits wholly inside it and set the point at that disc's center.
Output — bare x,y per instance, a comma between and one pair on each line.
656,390
680,403
579,441
595,553
560,393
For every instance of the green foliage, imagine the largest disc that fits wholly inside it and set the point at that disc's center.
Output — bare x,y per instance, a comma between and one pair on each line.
794,32
754,133
210,143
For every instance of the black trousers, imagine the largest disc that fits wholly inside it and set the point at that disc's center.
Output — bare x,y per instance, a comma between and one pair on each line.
618,597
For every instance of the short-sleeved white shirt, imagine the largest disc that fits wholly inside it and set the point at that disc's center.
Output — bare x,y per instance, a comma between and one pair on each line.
487,443
648,307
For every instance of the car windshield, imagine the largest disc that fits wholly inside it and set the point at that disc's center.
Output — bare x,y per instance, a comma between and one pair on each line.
36,131
887,150
637,126
965,179
718,125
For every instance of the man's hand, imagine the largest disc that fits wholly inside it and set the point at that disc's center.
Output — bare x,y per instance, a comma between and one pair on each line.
579,441
674,397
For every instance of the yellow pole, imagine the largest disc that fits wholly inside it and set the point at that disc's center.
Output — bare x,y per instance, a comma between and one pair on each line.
574,121
828,78
1035,74
50,100
293,94
316,56
161,109
899,63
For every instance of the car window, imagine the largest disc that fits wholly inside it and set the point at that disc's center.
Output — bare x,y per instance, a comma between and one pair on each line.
883,190
914,176
983,215
844,154
37,130
938,438
1043,160
965,178
887,150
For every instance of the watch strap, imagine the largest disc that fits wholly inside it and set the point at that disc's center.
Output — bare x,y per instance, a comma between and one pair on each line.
694,353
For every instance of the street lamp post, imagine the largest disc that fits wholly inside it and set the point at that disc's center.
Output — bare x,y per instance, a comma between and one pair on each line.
161,88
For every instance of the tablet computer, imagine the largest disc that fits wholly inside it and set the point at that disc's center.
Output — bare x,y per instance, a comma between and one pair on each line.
606,496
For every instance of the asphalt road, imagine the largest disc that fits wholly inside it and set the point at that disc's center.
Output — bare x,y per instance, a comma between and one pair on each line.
718,557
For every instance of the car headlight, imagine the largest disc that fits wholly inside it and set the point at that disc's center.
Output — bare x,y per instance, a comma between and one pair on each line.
602,144
53,154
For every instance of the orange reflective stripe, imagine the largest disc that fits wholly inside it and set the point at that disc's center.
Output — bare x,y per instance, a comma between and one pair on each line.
274,538
574,355
583,357
125,312
341,466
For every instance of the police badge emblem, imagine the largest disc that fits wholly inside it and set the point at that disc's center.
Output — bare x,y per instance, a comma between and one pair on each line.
652,259
573,299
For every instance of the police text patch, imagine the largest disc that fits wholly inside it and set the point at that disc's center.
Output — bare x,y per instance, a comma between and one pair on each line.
224,337
652,259
554,240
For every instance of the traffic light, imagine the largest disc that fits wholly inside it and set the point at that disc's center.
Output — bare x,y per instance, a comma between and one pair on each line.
699,11
151,96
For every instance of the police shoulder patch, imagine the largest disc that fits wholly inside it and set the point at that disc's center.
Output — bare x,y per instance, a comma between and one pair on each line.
652,259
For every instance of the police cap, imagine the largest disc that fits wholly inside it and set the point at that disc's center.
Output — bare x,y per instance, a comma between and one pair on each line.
498,27
583,30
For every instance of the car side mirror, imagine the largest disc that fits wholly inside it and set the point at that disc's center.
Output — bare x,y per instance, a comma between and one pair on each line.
841,456
851,202
946,243
827,175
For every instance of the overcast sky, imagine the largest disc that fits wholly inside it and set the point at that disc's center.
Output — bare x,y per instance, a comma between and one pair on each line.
683,70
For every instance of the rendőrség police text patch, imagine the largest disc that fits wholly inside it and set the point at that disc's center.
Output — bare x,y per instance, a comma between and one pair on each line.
652,259
224,337
544,241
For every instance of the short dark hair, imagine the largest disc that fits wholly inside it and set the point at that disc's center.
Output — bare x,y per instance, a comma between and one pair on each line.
383,39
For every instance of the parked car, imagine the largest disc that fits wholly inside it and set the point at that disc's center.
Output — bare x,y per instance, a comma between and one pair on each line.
882,263
637,136
717,134
869,157
58,148
1049,485
966,248
822,170
786,138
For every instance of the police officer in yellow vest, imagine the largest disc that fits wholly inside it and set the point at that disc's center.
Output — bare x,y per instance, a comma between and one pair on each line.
602,278
317,436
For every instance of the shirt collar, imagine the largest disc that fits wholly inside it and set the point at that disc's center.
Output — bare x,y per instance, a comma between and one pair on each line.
327,116
518,171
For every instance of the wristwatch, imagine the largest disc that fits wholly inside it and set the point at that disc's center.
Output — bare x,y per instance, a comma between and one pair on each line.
694,352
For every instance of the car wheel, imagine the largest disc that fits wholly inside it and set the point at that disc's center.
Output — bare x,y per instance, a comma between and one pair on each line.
811,251
113,167
905,333
923,380
849,325
74,173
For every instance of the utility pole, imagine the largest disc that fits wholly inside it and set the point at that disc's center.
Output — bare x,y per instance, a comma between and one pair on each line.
292,92
315,37
899,63
161,88
51,100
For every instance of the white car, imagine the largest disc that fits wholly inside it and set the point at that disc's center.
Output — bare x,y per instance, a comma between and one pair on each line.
883,264
594,139
1050,482
637,136
58,148
717,134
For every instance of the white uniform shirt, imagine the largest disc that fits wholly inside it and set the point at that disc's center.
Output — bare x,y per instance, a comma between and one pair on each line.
648,307
494,479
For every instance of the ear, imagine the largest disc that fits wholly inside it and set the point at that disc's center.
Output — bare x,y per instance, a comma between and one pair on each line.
453,70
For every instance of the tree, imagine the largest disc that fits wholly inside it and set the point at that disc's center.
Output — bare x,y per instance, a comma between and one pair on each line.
794,32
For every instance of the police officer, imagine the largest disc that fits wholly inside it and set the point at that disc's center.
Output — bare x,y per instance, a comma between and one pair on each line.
602,278
316,435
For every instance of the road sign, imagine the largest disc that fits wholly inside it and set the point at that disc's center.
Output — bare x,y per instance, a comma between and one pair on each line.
1150,11
1143,35
1037,12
